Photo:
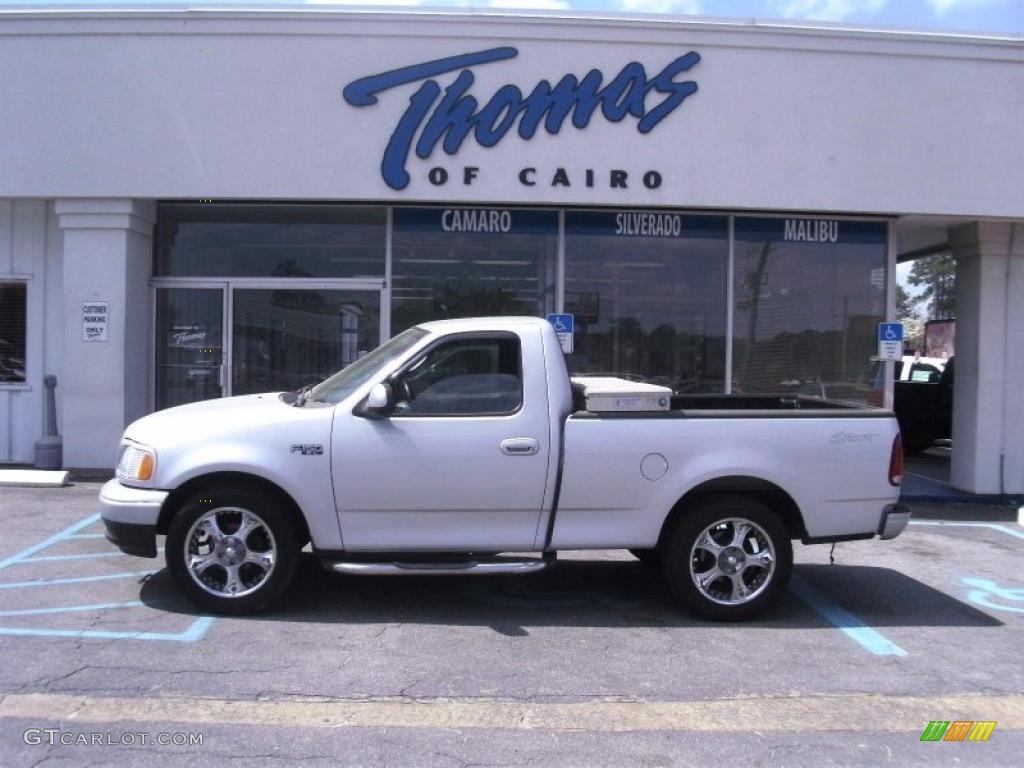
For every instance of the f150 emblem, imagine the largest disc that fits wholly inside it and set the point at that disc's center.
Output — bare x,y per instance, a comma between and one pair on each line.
308,449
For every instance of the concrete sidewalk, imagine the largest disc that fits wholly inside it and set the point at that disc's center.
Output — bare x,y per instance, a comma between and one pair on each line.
926,480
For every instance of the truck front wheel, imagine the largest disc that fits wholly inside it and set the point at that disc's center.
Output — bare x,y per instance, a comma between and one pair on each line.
728,557
232,550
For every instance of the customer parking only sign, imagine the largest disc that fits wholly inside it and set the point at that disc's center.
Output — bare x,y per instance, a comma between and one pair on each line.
890,341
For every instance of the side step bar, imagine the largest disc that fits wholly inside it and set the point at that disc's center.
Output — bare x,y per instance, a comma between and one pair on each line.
449,568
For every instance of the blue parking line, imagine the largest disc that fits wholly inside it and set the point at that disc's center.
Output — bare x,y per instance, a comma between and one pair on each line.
86,556
190,635
195,631
76,580
993,526
72,608
65,557
50,541
870,639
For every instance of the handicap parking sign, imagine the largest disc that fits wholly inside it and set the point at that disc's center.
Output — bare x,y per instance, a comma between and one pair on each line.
565,326
890,341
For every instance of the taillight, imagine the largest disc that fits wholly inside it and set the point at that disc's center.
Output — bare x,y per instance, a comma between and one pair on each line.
896,461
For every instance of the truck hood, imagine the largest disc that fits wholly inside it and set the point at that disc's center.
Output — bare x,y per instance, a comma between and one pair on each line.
194,421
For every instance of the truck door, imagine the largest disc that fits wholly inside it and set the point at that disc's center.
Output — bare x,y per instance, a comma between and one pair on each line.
461,463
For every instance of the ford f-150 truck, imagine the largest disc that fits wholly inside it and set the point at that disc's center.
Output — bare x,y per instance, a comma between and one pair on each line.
462,446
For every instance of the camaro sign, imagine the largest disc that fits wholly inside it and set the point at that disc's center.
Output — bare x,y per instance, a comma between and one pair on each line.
448,116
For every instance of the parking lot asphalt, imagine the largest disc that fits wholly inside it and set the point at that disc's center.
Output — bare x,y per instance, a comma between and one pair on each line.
589,663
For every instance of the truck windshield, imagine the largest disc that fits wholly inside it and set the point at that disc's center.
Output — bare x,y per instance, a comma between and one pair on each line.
348,379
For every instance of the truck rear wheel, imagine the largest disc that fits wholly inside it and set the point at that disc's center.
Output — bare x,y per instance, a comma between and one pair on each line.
727,558
232,550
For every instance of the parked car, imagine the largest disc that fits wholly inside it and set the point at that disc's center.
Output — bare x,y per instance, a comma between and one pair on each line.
920,369
924,406
460,440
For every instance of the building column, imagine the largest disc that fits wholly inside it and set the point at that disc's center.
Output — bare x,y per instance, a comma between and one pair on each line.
988,399
108,256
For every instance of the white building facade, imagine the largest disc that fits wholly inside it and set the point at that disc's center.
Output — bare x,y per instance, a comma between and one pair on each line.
200,203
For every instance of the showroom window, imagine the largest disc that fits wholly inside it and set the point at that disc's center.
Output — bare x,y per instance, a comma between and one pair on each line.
472,262
648,291
809,295
12,332
243,240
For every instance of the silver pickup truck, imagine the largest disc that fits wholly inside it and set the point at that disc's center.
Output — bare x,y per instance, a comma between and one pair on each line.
462,447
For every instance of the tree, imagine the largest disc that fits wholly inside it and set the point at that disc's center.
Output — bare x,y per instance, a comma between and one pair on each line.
936,277
906,305
906,313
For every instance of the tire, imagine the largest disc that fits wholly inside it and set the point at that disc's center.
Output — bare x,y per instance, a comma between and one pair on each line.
703,541
262,560
649,557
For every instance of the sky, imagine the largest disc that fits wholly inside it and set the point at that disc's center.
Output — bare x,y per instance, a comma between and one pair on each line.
1000,16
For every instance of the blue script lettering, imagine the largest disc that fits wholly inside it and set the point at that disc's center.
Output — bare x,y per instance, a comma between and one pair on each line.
447,116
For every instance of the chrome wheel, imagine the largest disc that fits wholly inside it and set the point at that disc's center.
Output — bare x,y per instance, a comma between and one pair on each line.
230,552
732,561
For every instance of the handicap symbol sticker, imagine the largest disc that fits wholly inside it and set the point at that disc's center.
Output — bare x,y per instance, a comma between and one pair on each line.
562,323
890,331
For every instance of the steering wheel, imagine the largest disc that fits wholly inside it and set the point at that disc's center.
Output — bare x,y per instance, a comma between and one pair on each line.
404,391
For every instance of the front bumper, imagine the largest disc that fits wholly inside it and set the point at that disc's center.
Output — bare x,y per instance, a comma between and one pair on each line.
130,515
895,518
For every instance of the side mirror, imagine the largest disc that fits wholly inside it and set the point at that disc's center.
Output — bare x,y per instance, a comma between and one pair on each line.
380,402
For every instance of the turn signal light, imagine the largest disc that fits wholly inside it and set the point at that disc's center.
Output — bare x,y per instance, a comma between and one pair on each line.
145,467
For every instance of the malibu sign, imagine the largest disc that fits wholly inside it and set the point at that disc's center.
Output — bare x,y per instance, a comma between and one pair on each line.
447,116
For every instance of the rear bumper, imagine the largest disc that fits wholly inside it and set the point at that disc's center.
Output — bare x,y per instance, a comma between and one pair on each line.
895,518
130,516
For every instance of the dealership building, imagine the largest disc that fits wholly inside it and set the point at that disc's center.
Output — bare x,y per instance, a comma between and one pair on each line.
205,202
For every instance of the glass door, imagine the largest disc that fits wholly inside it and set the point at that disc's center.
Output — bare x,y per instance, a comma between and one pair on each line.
239,337
283,338
189,345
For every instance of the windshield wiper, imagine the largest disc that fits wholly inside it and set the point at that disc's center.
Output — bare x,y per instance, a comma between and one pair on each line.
302,395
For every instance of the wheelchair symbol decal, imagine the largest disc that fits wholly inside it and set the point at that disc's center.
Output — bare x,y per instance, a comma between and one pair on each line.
988,594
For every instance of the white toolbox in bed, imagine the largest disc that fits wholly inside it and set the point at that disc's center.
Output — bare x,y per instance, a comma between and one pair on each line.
607,393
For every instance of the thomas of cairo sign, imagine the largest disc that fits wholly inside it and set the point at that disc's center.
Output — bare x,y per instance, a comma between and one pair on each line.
447,116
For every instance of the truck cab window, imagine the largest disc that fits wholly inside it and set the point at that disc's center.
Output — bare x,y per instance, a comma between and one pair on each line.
466,377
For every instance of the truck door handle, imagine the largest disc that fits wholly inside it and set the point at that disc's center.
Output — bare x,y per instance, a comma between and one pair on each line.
520,446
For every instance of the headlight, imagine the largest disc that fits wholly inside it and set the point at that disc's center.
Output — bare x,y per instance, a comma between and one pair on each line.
137,464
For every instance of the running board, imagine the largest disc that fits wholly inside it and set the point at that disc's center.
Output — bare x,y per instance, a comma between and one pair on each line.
450,568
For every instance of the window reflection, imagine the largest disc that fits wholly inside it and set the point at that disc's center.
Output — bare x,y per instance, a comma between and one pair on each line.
284,339
648,291
241,240
472,262
809,295
12,331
